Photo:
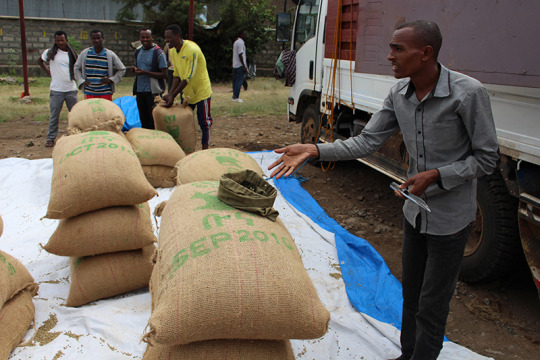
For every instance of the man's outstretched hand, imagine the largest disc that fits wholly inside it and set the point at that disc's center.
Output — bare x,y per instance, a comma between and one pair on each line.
293,157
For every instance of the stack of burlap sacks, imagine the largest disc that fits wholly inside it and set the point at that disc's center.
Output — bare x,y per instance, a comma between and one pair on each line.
17,287
158,153
99,193
226,284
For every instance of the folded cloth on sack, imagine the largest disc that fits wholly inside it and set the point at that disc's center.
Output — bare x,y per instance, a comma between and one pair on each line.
246,190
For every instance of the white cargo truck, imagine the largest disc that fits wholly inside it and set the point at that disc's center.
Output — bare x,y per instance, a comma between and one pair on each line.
342,77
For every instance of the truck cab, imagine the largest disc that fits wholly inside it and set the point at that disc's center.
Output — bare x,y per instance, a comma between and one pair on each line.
342,78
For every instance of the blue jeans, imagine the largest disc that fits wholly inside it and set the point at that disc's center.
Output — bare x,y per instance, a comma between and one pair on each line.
56,103
238,80
430,268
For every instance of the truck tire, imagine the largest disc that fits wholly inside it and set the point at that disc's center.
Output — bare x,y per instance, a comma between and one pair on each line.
493,247
311,122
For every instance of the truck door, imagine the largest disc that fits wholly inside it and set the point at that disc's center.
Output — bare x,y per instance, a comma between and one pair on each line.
307,38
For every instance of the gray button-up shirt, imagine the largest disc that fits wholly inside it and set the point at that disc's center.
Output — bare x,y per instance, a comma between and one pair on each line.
451,130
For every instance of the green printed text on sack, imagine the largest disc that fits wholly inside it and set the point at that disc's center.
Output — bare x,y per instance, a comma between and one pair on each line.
211,243
106,146
10,267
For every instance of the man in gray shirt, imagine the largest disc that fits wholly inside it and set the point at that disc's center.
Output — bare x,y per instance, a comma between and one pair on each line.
447,125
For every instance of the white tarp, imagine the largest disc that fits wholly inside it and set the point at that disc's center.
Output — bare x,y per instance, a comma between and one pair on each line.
112,328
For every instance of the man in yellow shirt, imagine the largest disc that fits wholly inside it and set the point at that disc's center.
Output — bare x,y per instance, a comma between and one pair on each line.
190,77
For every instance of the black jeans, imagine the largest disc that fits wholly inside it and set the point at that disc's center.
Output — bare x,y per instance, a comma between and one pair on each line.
145,104
430,268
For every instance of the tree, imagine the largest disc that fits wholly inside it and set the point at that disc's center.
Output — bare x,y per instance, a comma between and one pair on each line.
255,17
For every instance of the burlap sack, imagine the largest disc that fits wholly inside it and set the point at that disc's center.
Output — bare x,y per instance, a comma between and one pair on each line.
223,349
153,285
212,163
160,176
229,274
102,276
94,115
118,228
93,171
216,349
16,316
1,226
14,277
179,122
155,147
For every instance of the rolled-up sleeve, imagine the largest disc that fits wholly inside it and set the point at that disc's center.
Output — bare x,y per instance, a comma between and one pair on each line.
475,112
382,125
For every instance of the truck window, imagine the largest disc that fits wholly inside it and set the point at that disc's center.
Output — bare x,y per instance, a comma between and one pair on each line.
306,22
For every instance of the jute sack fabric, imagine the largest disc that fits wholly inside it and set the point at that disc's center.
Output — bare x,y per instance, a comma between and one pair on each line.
212,163
178,121
155,147
1,226
160,176
14,277
153,285
95,114
102,276
216,349
117,228
16,316
93,171
233,274
223,349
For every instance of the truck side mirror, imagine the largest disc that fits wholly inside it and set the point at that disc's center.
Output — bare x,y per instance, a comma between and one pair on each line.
283,27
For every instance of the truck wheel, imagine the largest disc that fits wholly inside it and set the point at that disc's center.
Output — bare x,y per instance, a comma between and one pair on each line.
311,122
493,247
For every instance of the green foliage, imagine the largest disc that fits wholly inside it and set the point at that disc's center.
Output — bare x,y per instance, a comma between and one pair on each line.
234,15
75,44
161,13
12,60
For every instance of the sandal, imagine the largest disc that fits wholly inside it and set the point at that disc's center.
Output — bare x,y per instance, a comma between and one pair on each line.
49,143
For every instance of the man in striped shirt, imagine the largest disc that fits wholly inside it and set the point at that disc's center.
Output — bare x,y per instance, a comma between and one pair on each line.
98,69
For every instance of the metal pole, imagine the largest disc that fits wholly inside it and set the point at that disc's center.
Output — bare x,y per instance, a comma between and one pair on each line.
190,19
23,46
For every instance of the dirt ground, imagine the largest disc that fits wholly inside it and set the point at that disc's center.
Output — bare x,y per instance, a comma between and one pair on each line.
499,319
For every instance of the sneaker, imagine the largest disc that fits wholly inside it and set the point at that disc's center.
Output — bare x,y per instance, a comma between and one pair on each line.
238,100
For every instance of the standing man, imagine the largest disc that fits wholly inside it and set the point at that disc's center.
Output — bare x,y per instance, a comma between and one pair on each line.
447,126
151,69
61,58
98,69
190,78
239,65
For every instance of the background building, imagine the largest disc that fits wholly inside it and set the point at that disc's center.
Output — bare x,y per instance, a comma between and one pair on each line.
77,18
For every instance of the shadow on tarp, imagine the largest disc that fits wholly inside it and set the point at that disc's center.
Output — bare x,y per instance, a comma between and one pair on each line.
371,287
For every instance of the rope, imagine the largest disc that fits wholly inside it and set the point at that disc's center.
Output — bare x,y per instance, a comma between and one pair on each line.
336,50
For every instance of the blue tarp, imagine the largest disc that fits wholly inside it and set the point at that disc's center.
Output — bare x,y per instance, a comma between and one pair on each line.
128,104
371,287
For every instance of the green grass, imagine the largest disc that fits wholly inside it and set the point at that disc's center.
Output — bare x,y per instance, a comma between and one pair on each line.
264,97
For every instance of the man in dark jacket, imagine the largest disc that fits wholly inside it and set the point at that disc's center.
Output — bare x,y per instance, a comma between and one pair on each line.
150,66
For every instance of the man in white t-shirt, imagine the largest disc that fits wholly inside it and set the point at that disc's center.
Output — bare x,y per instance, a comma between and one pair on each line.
239,64
61,58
